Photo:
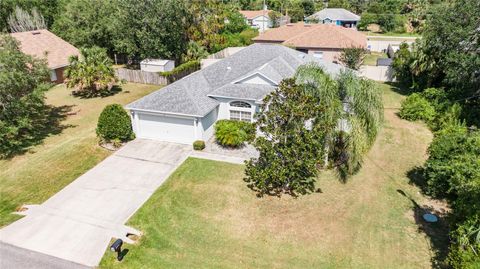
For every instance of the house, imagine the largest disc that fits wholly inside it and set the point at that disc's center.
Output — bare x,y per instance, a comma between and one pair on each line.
258,19
336,16
324,41
232,88
44,44
157,65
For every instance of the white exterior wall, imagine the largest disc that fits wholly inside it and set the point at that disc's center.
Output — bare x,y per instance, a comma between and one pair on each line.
380,43
262,23
152,67
378,73
170,128
206,125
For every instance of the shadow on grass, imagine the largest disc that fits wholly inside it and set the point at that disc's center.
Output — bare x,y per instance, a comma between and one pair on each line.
417,178
399,88
106,93
47,124
436,232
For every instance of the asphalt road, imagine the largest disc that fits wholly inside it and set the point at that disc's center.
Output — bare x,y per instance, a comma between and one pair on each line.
12,257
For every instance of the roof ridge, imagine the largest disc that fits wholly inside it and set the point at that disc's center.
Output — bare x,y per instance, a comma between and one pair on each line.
301,34
342,33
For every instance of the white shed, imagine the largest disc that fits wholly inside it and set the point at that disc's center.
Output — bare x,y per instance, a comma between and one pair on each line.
157,65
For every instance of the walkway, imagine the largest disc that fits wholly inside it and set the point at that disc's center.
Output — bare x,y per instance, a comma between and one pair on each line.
77,223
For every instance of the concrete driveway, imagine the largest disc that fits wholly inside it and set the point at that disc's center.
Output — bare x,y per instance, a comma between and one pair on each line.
77,223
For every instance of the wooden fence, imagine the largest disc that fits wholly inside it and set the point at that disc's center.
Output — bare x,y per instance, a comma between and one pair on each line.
139,76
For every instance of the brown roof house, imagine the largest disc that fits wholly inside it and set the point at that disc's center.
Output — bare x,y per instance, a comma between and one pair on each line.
44,44
324,41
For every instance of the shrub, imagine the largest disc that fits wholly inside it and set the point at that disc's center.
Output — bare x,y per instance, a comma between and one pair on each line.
464,252
233,133
416,107
181,70
199,145
114,124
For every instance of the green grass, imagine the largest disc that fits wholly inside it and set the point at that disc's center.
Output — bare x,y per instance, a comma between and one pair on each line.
204,216
33,177
371,58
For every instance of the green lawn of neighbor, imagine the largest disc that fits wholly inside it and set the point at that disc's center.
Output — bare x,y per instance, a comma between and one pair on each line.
204,216
371,58
33,177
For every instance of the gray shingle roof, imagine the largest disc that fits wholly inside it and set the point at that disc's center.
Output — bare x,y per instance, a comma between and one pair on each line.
243,91
190,95
335,14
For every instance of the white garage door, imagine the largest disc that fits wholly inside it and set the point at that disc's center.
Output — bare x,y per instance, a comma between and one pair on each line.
165,128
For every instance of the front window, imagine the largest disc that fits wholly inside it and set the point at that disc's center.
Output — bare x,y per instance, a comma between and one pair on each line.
240,104
53,75
241,115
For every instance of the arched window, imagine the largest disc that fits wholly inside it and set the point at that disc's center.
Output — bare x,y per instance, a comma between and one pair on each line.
240,104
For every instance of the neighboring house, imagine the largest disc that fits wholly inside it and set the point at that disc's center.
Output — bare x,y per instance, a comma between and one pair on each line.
44,44
232,88
337,16
324,41
258,19
157,65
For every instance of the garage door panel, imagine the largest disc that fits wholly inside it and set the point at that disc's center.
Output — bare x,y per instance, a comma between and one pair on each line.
165,128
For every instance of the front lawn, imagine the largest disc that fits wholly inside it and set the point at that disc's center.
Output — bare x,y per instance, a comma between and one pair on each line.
204,216
33,177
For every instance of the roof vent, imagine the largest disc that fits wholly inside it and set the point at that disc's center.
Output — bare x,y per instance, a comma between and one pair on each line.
229,68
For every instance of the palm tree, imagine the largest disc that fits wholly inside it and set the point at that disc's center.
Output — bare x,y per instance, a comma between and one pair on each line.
92,74
351,118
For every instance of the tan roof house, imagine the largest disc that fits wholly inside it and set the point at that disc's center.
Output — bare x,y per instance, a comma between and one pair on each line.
41,44
324,41
258,19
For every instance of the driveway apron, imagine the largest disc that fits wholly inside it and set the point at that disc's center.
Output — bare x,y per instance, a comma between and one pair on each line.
77,223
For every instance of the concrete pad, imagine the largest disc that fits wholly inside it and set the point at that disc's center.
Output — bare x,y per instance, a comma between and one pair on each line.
77,223
218,157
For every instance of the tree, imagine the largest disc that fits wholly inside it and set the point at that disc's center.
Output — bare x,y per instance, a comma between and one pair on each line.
23,112
194,52
92,74
351,118
289,151
308,7
353,57
235,22
22,21
151,28
48,8
312,121
275,17
207,22
87,23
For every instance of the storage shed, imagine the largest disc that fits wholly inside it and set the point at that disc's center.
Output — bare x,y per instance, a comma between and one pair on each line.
157,65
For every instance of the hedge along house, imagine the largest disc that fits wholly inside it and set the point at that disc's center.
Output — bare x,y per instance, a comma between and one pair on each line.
44,44
232,88
337,16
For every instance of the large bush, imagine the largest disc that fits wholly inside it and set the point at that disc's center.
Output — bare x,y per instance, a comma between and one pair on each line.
453,169
416,107
231,133
114,124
